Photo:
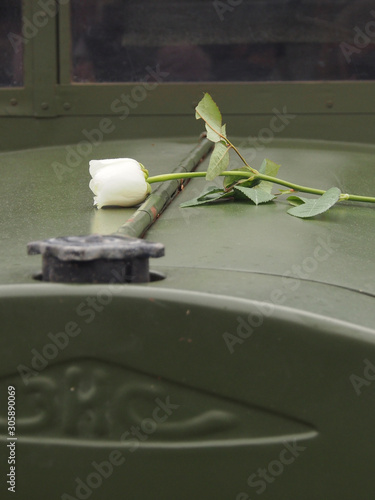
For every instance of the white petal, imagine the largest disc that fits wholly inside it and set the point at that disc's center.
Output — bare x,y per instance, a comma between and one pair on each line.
120,185
93,185
98,165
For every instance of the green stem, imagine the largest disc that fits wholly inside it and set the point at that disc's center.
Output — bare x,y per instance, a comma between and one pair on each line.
295,187
245,175
225,139
242,158
305,189
171,177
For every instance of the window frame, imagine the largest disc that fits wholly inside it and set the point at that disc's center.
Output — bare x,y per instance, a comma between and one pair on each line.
48,90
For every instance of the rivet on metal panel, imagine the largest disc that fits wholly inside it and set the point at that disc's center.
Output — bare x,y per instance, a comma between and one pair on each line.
44,105
67,106
13,102
329,103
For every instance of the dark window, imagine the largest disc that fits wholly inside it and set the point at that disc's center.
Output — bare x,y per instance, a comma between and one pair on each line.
11,44
226,40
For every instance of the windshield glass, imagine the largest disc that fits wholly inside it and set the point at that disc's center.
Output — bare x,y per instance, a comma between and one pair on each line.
11,45
223,40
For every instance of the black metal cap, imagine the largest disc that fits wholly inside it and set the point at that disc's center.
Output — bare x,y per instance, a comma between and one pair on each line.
96,258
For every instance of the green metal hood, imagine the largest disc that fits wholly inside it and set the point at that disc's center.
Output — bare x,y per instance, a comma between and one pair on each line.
258,344
229,248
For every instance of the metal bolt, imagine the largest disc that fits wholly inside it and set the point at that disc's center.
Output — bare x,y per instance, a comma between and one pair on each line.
67,106
329,103
96,259
44,105
13,102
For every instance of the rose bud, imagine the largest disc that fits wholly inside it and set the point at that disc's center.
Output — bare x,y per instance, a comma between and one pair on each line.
119,181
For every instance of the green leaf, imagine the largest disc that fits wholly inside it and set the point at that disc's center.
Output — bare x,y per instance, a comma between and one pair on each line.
209,112
312,207
229,180
219,160
209,190
297,200
270,168
213,135
286,191
259,191
208,195
256,194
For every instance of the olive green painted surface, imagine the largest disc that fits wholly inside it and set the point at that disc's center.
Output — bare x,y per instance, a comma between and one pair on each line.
285,386
324,98
37,204
244,360
238,98
336,247
24,132
236,404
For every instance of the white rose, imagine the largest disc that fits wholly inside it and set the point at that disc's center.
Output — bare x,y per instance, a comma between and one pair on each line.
119,181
